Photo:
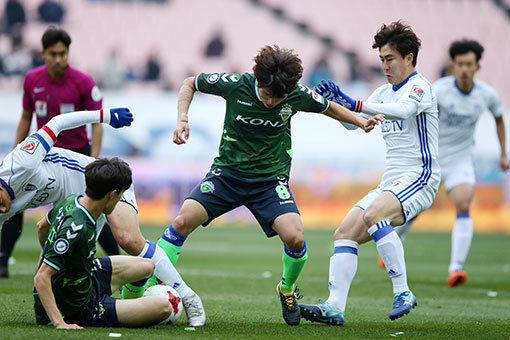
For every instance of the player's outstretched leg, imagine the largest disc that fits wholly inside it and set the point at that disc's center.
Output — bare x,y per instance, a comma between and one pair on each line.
322,312
402,304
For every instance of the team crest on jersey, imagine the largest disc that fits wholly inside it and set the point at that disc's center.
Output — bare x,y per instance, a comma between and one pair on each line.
416,93
317,97
286,112
41,108
213,78
95,94
207,187
30,145
61,246
30,187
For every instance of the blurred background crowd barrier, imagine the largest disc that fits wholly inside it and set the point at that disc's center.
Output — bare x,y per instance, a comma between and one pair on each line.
140,51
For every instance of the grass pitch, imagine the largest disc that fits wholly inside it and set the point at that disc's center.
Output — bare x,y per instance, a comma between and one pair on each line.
235,271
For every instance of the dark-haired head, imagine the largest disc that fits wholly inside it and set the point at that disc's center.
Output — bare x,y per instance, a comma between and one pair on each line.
466,46
278,70
400,37
105,175
54,35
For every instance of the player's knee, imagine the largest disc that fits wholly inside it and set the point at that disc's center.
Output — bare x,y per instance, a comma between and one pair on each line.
463,207
164,308
131,244
295,241
370,217
147,267
183,224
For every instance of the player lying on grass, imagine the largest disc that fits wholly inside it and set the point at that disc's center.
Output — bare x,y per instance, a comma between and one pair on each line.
255,156
72,289
410,180
35,174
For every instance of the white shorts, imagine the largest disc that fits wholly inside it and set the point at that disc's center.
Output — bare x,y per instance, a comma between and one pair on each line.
415,191
459,172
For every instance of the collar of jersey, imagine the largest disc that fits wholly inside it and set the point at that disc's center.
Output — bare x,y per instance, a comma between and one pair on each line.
396,88
9,189
460,90
78,205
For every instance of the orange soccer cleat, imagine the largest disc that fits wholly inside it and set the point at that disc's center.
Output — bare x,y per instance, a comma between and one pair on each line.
456,277
380,262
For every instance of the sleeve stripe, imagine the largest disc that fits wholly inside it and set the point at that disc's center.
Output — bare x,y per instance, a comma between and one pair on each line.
43,142
50,133
196,83
52,265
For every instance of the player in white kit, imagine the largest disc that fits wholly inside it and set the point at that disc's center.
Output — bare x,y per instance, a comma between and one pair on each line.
410,181
36,174
461,101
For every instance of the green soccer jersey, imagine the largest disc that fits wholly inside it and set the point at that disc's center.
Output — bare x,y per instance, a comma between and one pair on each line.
256,141
69,249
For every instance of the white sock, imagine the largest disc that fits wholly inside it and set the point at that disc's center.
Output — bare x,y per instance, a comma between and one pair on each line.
462,234
391,251
165,270
403,229
342,268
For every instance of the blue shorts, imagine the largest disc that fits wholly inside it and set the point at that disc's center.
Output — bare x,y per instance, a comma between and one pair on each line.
220,192
100,311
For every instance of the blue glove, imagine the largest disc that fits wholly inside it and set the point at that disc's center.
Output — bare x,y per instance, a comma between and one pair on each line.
120,117
324,90
343,99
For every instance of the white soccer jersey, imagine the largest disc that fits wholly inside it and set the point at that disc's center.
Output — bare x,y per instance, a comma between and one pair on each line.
35,177
411,138
458,114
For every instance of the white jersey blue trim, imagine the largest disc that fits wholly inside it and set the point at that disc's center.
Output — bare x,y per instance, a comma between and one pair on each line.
71,164
426,157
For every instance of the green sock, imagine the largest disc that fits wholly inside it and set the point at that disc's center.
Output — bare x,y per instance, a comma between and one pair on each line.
292,267
172,251
130,291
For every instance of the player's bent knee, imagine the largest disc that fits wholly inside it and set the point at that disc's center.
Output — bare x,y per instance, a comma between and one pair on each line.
371,217
295,241
131,244
147,267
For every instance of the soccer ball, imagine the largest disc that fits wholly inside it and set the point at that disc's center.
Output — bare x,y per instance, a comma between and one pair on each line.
173,297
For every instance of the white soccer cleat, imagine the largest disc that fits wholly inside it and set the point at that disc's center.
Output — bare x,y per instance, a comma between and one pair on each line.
194,310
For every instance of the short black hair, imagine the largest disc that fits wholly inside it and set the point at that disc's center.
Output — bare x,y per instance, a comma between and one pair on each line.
104,175
54,35
465,46
278,69
400,37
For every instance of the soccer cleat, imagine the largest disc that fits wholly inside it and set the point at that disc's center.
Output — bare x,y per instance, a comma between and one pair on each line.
402,304
290,308
194,310
380,262
322,312
456,277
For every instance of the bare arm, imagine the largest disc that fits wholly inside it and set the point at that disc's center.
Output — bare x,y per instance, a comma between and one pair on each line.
42,281
23,126
500,128
96,140
340,113
43,228
184,99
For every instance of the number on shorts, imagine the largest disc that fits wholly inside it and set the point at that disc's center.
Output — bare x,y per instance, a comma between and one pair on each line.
282,191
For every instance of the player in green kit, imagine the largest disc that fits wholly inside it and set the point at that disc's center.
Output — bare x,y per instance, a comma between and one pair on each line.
255,154
72,289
